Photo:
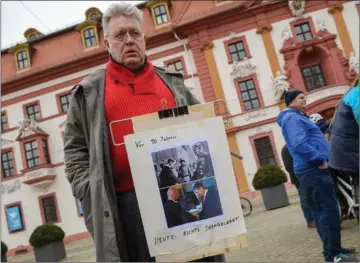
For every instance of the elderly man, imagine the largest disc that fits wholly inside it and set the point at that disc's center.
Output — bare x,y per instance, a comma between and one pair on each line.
97,169
310,150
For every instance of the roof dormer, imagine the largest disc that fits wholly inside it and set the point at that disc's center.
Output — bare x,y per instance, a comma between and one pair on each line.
160,10
93,13
32,34
22,55
89,29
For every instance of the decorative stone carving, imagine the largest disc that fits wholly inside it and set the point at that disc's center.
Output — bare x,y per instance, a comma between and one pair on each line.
297,7
353,63
232,35
285,34
27,126
10,187
280,85
206,45
5,142
321,24
242,68
263,29
255,114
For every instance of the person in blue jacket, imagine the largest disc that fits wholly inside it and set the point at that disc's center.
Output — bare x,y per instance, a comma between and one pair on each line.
344,142
310,151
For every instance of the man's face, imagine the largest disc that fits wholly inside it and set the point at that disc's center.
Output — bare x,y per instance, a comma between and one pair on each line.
172,164
299,103
175,195
126,41
200,191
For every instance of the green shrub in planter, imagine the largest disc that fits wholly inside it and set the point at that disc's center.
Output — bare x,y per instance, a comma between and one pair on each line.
48,244
270,180
4,248
46,234
268,176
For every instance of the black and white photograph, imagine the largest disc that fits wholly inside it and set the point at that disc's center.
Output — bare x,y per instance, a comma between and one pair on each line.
183,164
191,202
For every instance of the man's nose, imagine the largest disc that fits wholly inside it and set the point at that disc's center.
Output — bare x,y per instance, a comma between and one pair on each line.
128,39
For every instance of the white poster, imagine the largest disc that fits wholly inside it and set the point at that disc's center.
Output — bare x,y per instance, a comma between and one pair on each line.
185,185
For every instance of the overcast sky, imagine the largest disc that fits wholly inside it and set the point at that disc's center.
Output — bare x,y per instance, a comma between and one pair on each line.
54,15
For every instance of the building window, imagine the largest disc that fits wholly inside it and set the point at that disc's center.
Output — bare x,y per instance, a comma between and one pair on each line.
4,123
45,151
176,66
237,51
90,37
49,209
32,154
303,32
33,112
65,102
14,218
22,59
264,151
32,37
313,77
249,95
160,14
7,164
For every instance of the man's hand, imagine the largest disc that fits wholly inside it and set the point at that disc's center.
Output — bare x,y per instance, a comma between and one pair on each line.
324,165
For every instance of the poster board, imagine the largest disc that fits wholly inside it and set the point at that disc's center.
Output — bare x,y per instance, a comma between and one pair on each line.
221,229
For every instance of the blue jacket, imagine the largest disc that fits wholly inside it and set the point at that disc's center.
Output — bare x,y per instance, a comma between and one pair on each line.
344,139
305,141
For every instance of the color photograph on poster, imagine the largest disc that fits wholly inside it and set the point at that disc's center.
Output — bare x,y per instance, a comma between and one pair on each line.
191,202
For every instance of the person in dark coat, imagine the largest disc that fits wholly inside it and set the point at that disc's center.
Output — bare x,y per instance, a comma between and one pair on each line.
208,198
307,211
167,175
174,213
344,142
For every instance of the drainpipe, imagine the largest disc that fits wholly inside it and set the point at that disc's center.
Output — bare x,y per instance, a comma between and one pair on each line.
189,63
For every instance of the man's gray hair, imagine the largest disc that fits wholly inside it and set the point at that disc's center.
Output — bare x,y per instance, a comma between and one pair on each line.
118,9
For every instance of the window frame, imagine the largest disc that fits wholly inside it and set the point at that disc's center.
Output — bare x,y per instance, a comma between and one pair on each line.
19,203
269,134
15,175
300,21
252,77
25,106
32,151
7,122
82,32
37,138
164,3
42,212
90,37
58,101
233,41
27,59
178,59
321,73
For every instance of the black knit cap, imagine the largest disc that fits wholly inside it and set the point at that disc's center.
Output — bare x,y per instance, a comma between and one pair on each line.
291,95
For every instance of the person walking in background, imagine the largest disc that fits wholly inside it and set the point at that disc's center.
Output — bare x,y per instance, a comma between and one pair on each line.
309,150
305,207
344,142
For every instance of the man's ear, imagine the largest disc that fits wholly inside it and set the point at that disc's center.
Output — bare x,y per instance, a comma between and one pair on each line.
107,44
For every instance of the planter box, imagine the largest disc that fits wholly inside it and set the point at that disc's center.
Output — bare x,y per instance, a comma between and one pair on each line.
52,252
275,197
3,258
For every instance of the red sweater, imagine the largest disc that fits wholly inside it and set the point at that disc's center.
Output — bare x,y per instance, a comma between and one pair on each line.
128,95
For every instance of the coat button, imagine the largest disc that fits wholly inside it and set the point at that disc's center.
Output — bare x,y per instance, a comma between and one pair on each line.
106,214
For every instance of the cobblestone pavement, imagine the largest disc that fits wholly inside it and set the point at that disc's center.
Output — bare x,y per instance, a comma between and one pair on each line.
279,235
